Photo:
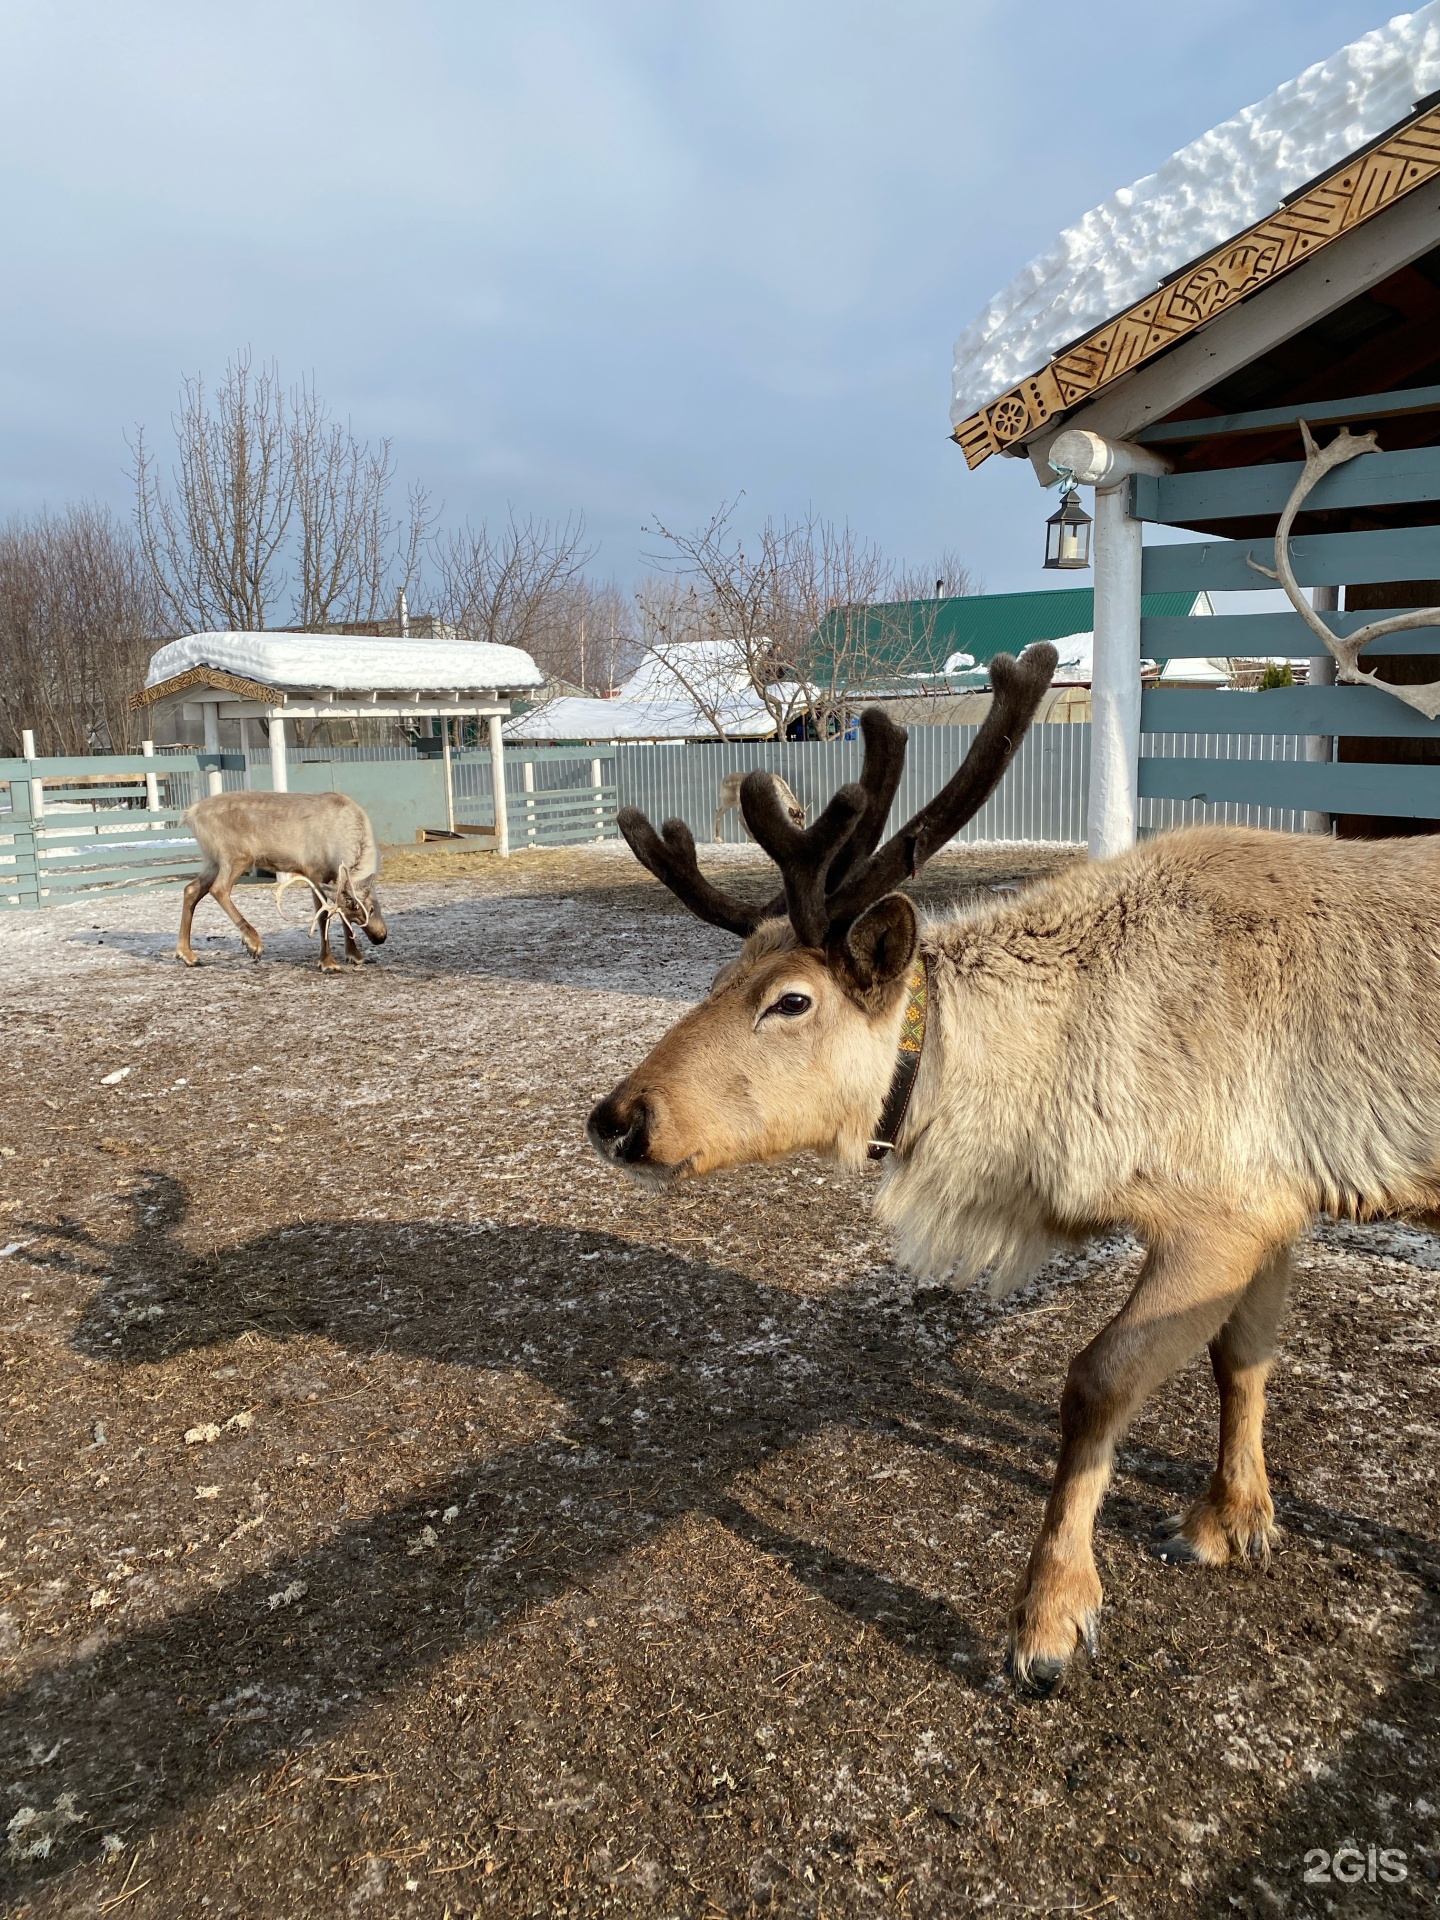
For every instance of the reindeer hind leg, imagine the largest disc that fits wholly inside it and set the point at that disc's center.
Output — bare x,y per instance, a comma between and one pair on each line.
195,892
1234,1517
254,945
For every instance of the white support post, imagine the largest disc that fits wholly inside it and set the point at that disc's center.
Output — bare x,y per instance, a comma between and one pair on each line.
37,787
152,783
210,711
527,780
1321,746
595,781
1115,677
244,725
497,788
279,775
1115,674
449,777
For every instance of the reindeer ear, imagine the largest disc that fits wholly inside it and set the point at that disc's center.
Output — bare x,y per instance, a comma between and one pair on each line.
878,947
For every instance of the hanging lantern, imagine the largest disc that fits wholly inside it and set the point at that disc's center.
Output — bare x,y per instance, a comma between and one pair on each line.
1067,533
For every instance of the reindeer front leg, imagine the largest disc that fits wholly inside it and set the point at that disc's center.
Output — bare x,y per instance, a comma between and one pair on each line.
1187,1290
1235,1516
352,951
328,962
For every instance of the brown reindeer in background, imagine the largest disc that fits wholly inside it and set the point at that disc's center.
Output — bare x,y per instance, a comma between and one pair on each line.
324,840
1208,1040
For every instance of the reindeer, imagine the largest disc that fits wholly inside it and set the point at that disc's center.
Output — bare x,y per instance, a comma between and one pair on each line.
729,796
1207,1040
324,840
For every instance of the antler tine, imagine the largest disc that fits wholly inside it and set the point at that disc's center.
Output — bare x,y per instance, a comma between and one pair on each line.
803,855
670,856
1019,686
880,775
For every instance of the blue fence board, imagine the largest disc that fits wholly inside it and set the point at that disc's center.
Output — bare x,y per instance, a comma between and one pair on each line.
1369,480
1250,636
1319,559
1399,792
1363,712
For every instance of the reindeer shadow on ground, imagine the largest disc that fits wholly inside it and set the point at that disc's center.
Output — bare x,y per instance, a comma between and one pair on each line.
735,1375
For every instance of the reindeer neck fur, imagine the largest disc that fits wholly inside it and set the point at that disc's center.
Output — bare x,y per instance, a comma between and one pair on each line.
1219,1018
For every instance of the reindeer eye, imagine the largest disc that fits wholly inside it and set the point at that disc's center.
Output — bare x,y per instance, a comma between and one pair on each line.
792,1003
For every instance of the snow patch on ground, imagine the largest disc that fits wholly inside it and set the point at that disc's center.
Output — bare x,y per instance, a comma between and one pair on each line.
1216,187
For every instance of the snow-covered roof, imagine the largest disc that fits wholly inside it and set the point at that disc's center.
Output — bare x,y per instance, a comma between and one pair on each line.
293,661
668,697
1206,194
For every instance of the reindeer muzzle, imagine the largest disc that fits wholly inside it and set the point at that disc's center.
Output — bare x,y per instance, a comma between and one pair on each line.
619,1130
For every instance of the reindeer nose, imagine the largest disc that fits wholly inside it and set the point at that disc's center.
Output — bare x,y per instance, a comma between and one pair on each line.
620,1132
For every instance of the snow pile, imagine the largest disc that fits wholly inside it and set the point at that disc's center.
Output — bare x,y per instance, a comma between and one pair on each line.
666,698
296,660
1216,187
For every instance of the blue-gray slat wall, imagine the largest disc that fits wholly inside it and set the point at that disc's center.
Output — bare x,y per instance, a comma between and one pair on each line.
1194,758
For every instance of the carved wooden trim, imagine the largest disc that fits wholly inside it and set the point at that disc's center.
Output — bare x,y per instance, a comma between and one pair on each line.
1366,184
235,684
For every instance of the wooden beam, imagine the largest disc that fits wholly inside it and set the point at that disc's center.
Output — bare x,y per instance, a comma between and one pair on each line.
1253,636
1320,560
1230,493
1355,712
1351,786
1368,406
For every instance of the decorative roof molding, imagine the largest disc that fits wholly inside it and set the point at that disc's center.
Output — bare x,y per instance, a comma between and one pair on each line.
235,684
1341,200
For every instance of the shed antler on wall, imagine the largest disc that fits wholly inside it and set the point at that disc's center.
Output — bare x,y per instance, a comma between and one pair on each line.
831,870
1318,462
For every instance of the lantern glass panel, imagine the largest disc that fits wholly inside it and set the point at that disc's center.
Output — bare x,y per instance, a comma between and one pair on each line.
1067,536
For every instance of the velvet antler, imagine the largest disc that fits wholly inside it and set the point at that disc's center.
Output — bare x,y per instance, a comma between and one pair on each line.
670,856
831,870
803,854
1019,686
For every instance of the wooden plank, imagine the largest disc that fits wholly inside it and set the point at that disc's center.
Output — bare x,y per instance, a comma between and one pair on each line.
1359,712
1319,560
1252,636
1349,786
96,766
1365,406
1371,480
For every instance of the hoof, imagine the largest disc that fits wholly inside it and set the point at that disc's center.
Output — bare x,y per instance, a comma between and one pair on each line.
1175,1550
187,959
1035,1679
1037,1676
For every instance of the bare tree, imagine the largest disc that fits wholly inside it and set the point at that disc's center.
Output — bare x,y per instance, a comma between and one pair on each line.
507,587
78,621
806,616
268,488
214,539
354,556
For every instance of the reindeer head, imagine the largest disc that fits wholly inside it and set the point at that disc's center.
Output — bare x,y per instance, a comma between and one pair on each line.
358,901
794,1045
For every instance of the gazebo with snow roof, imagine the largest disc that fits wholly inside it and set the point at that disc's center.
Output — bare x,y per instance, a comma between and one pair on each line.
275,677
1285,267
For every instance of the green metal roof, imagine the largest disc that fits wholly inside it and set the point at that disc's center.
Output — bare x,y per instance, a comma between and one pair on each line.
920,635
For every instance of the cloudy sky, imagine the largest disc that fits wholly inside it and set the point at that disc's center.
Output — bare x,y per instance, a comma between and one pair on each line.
618,257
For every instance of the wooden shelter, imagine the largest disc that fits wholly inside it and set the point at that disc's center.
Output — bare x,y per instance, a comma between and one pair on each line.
275,678
1183,408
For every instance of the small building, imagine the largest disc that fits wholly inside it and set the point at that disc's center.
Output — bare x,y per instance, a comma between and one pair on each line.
261,683
1282,269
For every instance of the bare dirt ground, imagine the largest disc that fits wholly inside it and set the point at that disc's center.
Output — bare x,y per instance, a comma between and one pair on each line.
405,1516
